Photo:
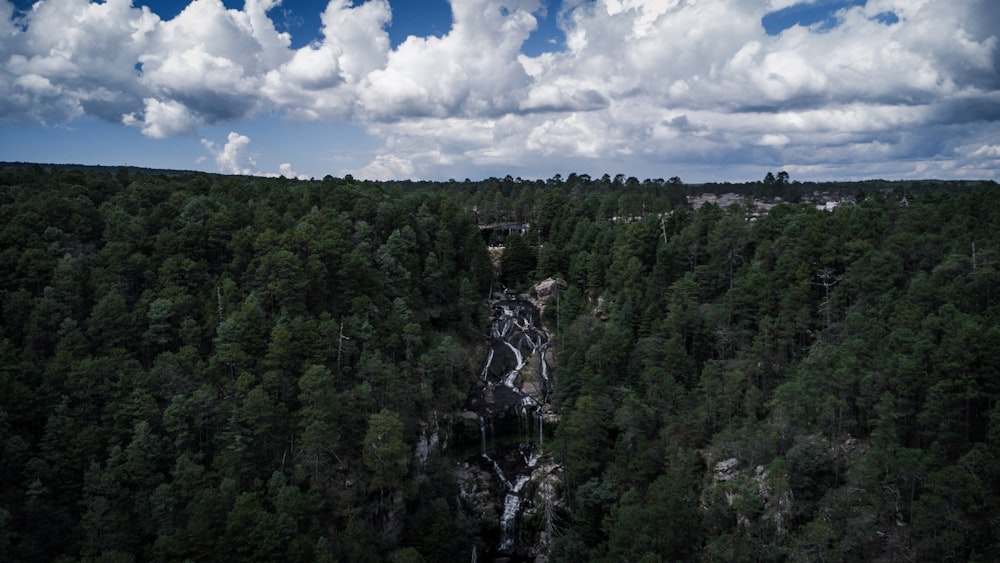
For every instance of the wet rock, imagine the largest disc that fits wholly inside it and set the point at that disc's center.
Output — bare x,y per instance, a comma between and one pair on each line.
509,405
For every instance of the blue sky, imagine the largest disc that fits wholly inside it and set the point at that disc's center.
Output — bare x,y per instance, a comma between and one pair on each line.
710,90
301,18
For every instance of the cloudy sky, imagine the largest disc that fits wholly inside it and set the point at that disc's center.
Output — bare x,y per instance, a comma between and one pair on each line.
702,89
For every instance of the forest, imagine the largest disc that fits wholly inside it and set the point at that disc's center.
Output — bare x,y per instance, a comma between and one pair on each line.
224,368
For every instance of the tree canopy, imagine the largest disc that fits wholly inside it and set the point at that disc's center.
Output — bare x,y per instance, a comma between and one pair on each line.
197,366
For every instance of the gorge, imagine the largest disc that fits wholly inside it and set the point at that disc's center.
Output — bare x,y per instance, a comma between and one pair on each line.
198,367
510,401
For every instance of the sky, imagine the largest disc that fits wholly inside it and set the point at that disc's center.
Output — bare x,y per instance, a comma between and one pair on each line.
705,90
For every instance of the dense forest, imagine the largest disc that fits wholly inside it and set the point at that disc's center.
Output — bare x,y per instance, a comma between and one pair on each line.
205,367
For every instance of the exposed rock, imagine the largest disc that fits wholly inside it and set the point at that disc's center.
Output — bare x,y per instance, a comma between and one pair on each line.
724,470
429,439
509,411
544,504
738,487
476,493
545,288
425,444
390,518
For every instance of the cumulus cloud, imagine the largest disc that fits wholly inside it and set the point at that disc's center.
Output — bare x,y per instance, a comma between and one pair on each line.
389,166
212,60
663,84
163,119
320,80
286,170
82,53
646,83
233,157
471,71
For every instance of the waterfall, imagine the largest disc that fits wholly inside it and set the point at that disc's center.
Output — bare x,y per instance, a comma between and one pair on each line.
511,378
541,427
511,391
485,374
497,470
511,507
544,365
517,354
482,433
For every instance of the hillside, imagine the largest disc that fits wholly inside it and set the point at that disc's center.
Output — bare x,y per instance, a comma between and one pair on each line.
211,367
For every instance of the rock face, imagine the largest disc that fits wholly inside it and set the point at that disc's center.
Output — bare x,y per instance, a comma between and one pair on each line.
743,488
546,477
514,383
724,469
506,481
476,492
546,288
429,439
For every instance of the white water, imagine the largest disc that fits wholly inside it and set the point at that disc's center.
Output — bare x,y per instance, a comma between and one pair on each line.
482,433
517,354
511,510
511,507
511,378
513,327
484,375
498,471
545,369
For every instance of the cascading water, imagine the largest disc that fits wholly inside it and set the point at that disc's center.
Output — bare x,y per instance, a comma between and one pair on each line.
511,509
513,387
541,428
482,433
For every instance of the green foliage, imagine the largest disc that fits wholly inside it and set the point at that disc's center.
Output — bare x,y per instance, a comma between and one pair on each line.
178,339
200,367
516,262
385,453
582,440
841,358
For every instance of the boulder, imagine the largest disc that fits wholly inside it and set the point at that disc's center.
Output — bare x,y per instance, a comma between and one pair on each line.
545,288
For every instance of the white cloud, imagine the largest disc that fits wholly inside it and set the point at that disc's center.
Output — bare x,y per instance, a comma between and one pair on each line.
389,166
986,151
163,119
213,59
36,85
471,71
84,50
782,4
7,27
286,170
320,80
233,158
773,140
644,83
